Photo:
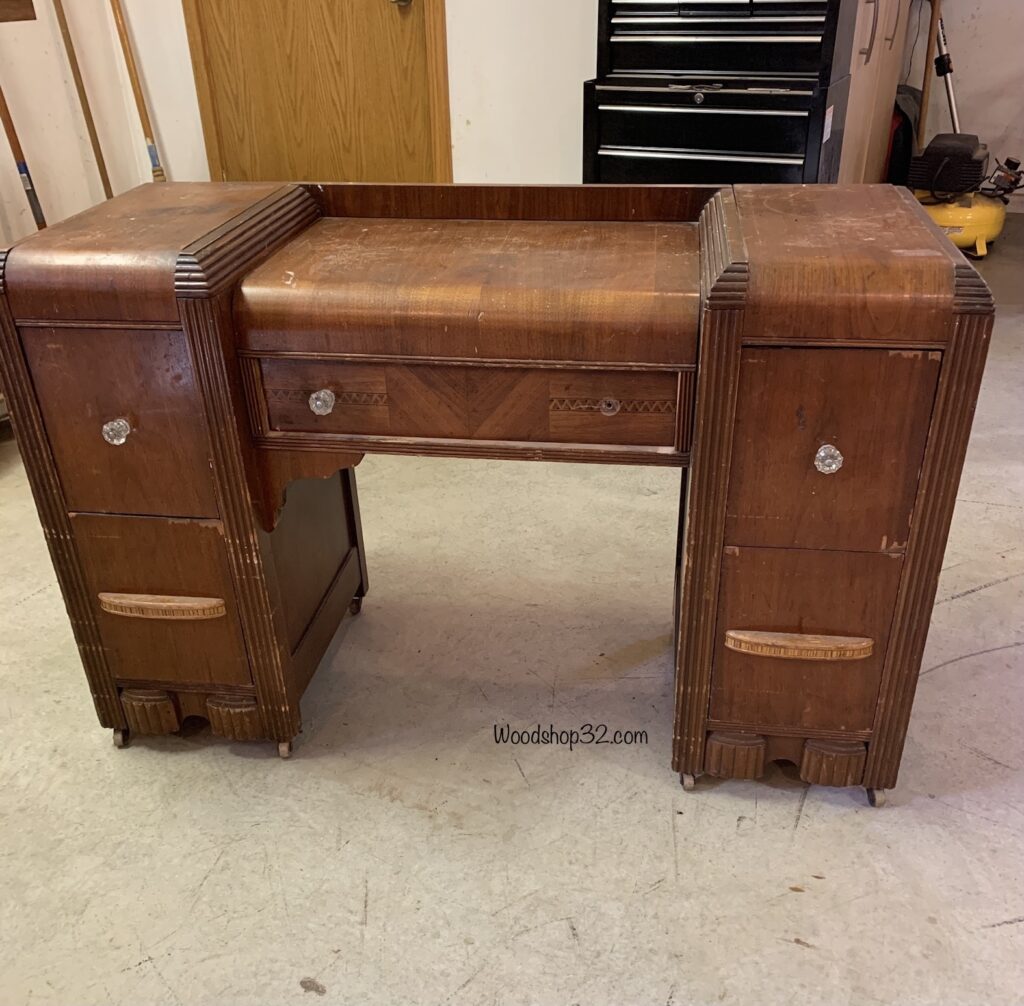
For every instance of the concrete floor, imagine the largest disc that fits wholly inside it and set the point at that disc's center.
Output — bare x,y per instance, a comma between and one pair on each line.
403,857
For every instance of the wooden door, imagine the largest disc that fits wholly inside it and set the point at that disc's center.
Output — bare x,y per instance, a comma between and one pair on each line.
322,90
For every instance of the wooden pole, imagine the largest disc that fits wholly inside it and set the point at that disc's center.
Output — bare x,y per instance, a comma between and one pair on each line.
76,73
929,71
140,98
19,158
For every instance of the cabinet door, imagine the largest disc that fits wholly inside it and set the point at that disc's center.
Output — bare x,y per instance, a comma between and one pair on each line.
864,68
895,16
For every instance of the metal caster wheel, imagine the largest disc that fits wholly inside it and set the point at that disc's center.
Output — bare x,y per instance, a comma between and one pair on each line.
876,797
355,606
122,738
284,749
689,782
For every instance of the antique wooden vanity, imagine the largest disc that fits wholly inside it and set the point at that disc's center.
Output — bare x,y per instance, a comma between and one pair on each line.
194,371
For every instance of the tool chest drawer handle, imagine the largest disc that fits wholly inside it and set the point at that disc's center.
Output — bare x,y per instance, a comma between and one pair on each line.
189,609
799,646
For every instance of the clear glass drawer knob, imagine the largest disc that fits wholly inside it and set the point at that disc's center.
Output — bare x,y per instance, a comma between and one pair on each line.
116,431
321,403
610,406
828,460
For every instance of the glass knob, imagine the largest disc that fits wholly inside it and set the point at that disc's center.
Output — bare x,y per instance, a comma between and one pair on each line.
116,431
610,406
828,460
321,403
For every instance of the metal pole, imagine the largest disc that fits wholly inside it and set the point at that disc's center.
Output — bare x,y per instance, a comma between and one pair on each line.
944,65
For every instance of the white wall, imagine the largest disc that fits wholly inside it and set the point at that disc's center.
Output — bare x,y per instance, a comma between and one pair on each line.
985,40
516,70
44,104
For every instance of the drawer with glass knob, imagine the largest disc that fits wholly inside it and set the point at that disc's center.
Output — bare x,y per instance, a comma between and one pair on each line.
813,466
129,436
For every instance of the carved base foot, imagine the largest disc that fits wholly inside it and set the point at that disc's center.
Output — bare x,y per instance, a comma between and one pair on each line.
735,755
122,738
876,797
284,749
355,606
689,782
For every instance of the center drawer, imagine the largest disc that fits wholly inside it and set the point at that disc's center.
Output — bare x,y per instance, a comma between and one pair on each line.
471,403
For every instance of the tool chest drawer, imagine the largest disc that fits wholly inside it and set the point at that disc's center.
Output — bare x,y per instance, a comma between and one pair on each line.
132,437
828,447
162,588
470,403
676,166
801,638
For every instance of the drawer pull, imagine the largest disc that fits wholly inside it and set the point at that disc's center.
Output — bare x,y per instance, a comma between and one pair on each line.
321,403
828,460
799,646
116,431
610,406
162,606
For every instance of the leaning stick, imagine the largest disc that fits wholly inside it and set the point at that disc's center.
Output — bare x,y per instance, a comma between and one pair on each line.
929,71
19,157
140,98
83,98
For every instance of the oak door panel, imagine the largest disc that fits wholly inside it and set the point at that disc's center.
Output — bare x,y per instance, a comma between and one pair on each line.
322,90
807,592
85,378
874,405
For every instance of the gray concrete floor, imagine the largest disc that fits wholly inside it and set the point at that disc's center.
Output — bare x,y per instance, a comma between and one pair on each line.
403,857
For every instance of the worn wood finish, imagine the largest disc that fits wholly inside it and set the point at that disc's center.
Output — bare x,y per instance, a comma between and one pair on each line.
802,591
174,558
796,401
507,290
636,203
76,271
319,90
805,596
17,10
147,378
164,606
798,645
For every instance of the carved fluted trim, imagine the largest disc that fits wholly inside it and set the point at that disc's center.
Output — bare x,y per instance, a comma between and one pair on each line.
962,368
236,717
833,763
207,324
41,468
149,712
971,292
735,756
208,266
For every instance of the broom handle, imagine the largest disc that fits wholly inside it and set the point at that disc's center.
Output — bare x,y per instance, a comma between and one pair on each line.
83,98
19,158
140,98
926,84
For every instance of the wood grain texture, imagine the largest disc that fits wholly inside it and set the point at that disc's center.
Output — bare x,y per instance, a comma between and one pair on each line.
162,606
17,10
44,480
798,400
147,378
76,271
723,278
955,403
807,592
322,91
501,290
798,645
636,203
844,263
179,559
437,402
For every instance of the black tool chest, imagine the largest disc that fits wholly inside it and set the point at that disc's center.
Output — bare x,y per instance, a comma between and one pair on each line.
710,91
